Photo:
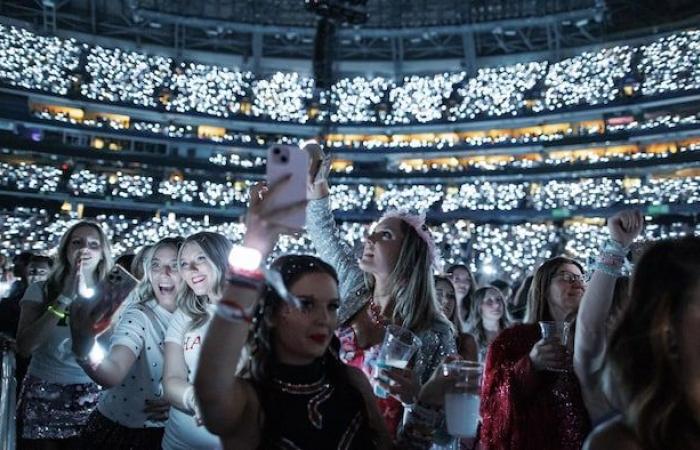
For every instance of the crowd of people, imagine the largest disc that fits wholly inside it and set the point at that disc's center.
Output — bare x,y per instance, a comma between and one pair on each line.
196,342
589,193
665,66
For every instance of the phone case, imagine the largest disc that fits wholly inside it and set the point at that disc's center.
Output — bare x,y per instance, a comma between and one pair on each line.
111,293
283,160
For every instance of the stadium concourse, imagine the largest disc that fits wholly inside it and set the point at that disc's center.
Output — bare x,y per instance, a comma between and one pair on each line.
526,145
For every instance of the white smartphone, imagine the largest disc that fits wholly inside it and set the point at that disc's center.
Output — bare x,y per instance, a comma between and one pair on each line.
283,160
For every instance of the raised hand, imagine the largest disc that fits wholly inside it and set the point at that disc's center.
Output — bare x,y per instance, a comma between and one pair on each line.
262,226
625,226
319,169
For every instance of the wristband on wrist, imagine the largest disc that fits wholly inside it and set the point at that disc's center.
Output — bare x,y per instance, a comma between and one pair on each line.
64,300
86,361
246,282
231,311
614,247
56,312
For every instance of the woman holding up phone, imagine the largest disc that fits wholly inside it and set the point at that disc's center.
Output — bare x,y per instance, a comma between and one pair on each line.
294,392
392,283
132,412
203,262
58,397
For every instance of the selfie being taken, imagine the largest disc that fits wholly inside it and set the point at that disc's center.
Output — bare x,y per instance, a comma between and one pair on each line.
350,224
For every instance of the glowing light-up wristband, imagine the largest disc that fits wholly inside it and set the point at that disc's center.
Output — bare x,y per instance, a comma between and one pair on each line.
247,272
246,262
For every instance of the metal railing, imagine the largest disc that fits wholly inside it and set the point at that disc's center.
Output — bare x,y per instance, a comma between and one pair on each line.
8,401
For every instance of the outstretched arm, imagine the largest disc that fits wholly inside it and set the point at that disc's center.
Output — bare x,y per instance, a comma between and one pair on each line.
594,312
321,226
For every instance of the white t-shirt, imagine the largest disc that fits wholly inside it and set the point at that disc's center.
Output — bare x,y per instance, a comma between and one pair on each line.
53,361
137,331
181,430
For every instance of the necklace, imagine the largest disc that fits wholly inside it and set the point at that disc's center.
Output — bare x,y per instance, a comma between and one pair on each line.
374,311
301,388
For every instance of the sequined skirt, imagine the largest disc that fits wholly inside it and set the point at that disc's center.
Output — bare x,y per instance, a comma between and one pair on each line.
55,411
102,433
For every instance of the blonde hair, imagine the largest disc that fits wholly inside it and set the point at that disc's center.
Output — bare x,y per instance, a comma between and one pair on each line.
144,290
61,268
216,247
538,296
476,321
412,284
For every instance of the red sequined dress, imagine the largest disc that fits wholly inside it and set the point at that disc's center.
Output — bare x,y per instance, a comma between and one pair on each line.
526,409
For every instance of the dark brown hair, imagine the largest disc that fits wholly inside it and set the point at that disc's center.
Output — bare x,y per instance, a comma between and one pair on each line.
643,359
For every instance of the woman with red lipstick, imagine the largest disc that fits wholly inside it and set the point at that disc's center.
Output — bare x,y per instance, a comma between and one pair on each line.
294,392
203,262
392,283
131,412
531,398
58,397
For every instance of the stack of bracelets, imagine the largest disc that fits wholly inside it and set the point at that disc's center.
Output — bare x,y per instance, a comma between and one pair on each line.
612,258
244,272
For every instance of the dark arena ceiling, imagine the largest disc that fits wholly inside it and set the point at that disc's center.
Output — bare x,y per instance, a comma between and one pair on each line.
394,30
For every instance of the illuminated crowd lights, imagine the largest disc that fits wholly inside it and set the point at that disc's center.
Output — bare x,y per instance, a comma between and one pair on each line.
30,61
671,63
590,78
29,177
665,122
505,251
357,99
496,91
482,195
212,90
282,97
123,76
668,64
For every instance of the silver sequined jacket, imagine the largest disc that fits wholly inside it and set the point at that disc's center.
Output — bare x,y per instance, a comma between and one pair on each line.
437,341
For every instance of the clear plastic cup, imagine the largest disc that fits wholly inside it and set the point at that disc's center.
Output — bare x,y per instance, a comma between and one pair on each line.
556,331
398,348
462,397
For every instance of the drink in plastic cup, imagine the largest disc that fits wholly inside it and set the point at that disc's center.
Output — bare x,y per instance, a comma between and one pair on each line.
555,330
398,348
462,397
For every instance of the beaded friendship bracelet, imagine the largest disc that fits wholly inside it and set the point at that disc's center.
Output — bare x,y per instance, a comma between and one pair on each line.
611,258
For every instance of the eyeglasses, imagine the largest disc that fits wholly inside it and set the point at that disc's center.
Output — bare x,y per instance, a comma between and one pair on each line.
570,277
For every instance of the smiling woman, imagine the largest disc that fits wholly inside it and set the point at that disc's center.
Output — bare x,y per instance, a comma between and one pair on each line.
131,412
58,397
530,396
203,263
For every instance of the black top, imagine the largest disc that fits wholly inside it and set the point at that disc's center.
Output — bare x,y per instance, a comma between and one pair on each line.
307,407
